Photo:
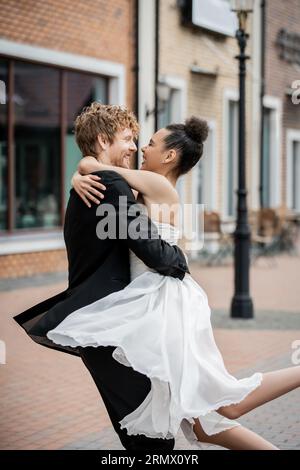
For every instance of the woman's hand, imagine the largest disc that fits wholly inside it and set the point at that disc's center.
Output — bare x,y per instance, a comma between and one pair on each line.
87,187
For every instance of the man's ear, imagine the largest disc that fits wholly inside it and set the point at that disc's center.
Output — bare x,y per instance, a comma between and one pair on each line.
103,142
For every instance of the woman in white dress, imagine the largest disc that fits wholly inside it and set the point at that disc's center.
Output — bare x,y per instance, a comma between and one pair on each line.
161,326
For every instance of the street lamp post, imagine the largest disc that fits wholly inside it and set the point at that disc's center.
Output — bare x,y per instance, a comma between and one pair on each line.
241,305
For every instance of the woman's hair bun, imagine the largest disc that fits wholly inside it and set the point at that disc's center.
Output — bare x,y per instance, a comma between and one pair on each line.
197,129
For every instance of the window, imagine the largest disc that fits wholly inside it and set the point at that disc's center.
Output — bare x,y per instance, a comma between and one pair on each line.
167,115
165,111
204,174
3,150
232,157
180,187
82,89
170,111
37,140
271,163
173,111
204,186
45,102
293,170
266,162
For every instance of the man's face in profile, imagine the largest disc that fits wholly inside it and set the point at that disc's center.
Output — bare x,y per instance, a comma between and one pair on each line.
122,149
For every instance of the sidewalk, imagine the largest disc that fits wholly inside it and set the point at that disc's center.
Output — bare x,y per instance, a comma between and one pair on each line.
49,401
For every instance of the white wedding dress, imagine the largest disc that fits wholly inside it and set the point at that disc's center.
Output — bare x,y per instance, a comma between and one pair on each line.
161,327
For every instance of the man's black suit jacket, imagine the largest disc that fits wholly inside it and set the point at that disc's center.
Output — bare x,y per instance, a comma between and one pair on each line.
98,267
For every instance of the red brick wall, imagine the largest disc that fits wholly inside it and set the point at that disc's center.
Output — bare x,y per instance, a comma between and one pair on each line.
279,73
29,264
97,28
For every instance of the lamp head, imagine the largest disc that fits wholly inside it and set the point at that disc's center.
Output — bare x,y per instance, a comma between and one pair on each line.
242,8
245,6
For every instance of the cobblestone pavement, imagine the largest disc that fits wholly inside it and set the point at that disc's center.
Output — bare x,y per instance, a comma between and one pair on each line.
277,421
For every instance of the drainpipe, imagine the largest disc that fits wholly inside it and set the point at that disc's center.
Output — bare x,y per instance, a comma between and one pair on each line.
136,70
157,5
262,94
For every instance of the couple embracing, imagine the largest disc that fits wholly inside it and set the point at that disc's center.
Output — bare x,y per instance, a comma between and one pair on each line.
132,311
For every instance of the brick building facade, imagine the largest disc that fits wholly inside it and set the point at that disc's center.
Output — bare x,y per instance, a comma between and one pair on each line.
95,28
197,61
282,70
204,70
202,73
55,58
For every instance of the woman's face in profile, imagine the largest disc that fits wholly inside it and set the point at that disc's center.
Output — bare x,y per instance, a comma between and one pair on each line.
154,152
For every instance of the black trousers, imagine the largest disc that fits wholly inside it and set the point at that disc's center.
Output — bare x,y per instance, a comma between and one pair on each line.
122,390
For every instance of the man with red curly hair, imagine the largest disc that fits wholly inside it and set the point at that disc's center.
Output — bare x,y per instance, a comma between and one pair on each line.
98,267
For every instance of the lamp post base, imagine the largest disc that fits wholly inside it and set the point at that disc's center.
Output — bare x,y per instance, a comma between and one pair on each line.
241,307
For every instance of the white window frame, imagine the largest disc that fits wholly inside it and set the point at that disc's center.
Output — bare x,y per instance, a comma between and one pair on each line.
275,104
179,86
230,94
292,135
211,169
114,71
178,114
30,243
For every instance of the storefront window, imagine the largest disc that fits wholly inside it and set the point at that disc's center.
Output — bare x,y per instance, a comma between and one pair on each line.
82,90
45,100
37,146
267,158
